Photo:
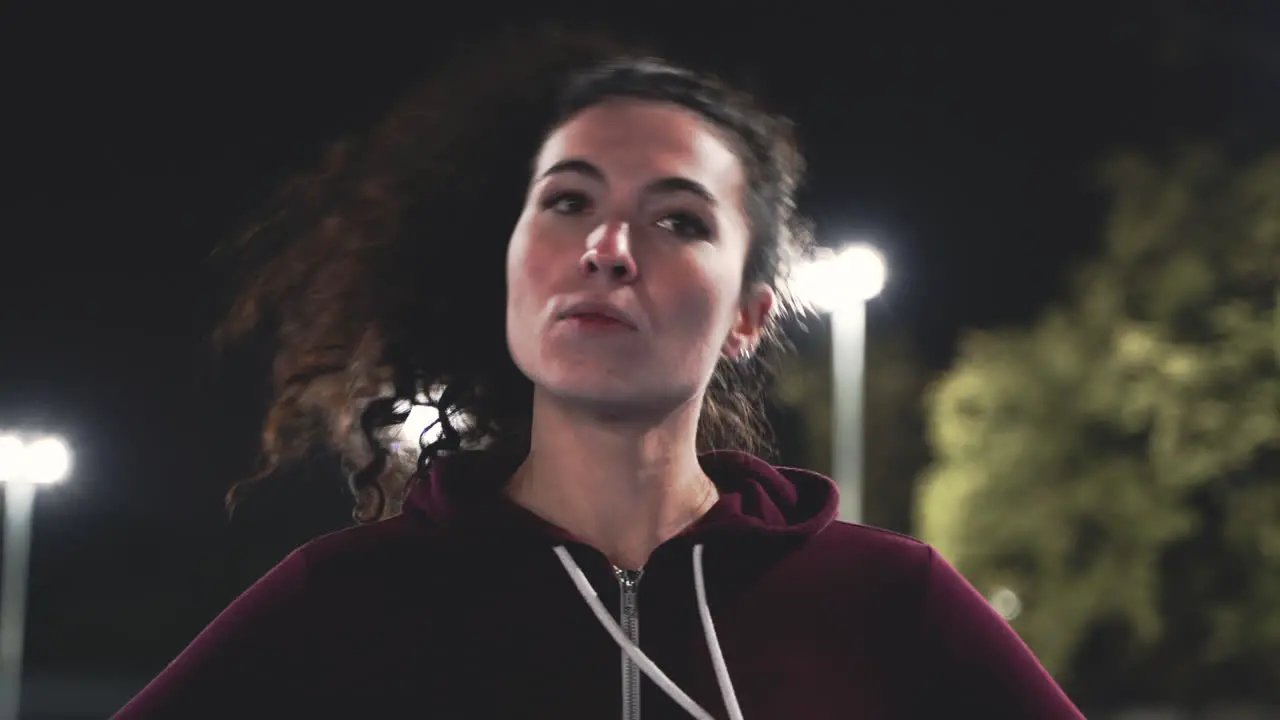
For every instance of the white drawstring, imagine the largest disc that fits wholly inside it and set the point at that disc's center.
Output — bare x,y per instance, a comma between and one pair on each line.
641,660
713,643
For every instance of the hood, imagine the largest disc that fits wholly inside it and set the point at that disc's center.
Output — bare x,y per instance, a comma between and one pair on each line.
758,504
464,492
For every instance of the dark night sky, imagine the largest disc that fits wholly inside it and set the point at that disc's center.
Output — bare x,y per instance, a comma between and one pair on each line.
962,138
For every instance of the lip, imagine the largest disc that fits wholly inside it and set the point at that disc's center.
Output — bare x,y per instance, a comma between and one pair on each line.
590,309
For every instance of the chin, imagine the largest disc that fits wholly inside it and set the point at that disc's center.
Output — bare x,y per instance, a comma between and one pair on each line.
583,388
614,397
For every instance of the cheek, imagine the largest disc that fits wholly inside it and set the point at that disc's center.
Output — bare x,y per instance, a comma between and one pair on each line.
702,303
520,306
523,270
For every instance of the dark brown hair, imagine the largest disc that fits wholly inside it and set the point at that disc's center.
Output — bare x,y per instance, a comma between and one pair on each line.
380,275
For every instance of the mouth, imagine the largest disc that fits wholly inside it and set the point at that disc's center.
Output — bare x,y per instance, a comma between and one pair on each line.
596,320
599,315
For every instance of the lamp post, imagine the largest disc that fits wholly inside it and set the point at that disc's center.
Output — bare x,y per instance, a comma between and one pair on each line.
24,465
842,283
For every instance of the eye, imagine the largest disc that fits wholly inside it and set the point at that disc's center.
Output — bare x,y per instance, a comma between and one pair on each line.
685,225
566,203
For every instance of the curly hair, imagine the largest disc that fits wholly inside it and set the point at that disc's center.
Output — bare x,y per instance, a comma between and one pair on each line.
379,276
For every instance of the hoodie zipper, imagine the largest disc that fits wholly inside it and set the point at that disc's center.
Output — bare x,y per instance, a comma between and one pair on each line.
629,621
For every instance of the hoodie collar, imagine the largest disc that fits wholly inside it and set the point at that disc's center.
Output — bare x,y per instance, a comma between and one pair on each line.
463,493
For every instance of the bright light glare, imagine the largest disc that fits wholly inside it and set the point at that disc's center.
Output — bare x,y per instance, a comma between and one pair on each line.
1006,602
48,461
420,418
12,458
43,461
837,280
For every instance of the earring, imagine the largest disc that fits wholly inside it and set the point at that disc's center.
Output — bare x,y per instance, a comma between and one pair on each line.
740,355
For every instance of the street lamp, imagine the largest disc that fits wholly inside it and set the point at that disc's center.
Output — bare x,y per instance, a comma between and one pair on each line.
841,284
23,466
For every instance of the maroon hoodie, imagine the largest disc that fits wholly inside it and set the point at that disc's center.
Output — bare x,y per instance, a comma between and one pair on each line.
462,607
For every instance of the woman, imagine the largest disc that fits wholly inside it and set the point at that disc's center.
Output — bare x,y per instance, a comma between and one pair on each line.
571,492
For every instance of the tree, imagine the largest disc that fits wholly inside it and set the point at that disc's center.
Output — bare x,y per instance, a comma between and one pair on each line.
1116,465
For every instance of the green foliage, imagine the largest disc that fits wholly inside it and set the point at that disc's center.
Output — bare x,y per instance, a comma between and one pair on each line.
1117,464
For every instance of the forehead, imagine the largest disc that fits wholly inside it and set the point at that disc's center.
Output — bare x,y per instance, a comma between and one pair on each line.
637,140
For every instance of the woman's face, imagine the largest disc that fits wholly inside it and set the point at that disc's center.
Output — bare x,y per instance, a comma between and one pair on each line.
624,272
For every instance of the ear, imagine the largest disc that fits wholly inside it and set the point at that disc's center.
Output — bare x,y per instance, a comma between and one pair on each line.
749,322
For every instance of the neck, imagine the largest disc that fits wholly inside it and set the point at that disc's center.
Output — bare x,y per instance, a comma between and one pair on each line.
623,488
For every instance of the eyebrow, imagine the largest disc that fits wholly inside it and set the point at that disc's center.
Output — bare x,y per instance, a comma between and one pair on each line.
660,186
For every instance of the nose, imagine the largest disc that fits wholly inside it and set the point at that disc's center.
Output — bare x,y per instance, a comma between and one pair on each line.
609,253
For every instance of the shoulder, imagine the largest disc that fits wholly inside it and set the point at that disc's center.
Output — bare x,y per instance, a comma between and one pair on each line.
361,553
261,644
905,573
843,542
867,558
